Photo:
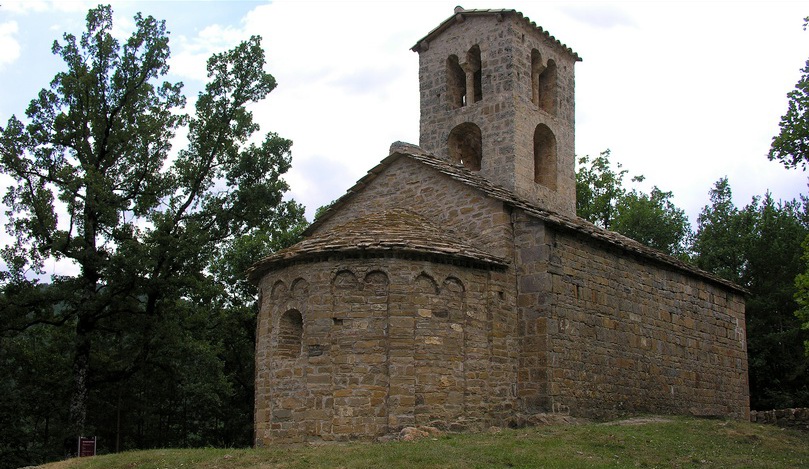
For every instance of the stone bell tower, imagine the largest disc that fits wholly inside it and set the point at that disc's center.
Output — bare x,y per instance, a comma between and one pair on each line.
497,96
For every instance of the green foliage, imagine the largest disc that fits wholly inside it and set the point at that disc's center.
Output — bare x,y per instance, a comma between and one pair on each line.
720,229
654,220
791,145
158,324
323,208
599,189
36,371
802,292
759,248
651,219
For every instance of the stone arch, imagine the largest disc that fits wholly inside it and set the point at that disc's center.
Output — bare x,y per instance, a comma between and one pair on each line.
466,145
547,88
454,284
345,280
426,284
440,352
375,291
536,70
290,334
377,281
474,71
358,352
545,168
456,82
452,298
279,290
543,83
300,288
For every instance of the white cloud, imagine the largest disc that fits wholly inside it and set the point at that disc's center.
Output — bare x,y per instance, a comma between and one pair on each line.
190,54
9,47
684,93
40,6
599,16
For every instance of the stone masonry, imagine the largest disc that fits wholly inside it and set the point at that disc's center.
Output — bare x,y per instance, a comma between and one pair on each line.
454,287
506,112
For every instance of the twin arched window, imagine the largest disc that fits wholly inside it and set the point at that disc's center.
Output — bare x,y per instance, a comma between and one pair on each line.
464,80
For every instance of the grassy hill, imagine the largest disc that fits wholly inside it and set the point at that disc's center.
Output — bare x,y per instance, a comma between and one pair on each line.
653,442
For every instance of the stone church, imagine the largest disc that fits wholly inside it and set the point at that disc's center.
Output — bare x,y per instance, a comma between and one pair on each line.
454,285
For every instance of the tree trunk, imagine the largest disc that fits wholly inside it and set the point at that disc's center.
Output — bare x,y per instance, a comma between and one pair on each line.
81,372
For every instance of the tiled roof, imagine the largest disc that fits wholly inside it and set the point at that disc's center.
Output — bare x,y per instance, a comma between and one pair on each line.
395,231
474,179
446,24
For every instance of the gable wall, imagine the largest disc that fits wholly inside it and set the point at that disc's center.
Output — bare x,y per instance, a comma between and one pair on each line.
620,334
476,219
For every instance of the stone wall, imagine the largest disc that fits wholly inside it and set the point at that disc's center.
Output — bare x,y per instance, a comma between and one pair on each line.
575,324
505,114
792,418
623,334
460,209
382,344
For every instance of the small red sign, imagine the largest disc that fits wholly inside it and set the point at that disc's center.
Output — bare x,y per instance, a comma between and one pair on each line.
87,446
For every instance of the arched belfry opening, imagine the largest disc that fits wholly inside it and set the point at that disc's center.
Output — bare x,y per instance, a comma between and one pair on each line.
456,82
543,83
474,73
545,167
536,69
547,88
465,145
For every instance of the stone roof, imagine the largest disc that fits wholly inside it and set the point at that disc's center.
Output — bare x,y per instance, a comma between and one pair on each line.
459,15
393,232
473,179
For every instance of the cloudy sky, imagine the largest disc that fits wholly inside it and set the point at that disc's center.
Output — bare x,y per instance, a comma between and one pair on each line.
683,92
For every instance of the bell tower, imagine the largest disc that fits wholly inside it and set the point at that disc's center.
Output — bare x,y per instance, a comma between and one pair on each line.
497,96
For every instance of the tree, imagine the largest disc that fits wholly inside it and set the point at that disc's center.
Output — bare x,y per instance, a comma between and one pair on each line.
654,220
758,247
791,145
598,189
95,185
802,292
721,235
651,219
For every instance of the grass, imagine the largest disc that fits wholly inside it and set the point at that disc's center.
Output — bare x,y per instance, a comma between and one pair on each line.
646,443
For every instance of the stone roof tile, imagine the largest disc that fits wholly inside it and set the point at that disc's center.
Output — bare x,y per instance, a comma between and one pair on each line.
395,231
473,179
460,12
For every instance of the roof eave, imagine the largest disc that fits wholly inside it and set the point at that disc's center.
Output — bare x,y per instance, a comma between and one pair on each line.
281,259
579,226
423,43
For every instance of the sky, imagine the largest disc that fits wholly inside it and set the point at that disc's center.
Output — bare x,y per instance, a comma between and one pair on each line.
682,92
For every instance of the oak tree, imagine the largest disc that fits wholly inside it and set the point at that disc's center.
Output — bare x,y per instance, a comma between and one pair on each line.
97,185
